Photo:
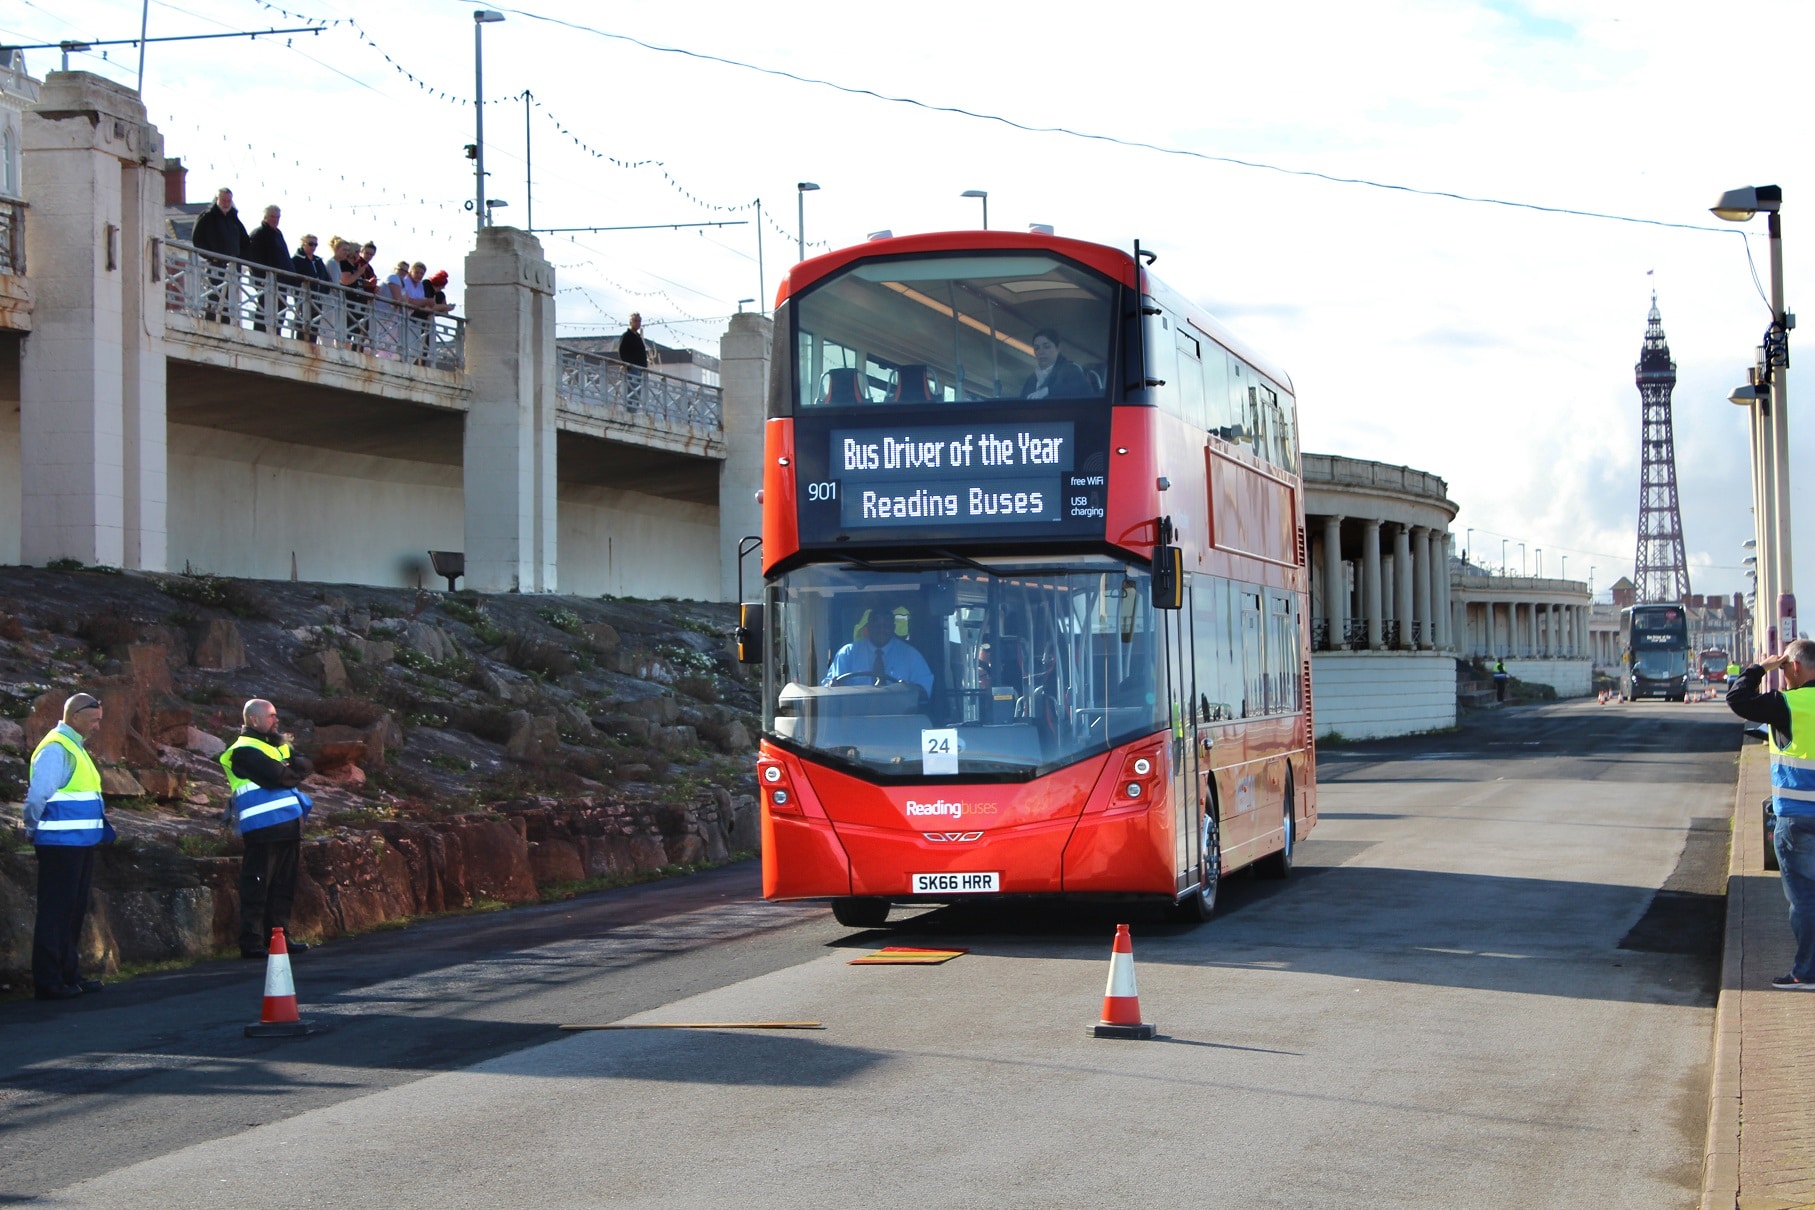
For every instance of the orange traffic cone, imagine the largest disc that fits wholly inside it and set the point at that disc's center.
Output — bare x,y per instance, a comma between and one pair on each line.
279,1018
1121,1000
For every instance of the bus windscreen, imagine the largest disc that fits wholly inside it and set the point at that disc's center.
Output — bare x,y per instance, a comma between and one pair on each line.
955,329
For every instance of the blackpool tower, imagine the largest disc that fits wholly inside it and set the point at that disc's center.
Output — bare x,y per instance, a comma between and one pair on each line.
1661,572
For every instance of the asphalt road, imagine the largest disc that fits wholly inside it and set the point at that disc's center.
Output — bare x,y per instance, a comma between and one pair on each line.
1490,983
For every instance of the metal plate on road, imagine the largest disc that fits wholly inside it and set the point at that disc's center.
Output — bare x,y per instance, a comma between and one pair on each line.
956,884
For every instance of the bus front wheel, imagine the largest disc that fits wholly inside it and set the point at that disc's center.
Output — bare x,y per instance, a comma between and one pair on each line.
861,913
1200,904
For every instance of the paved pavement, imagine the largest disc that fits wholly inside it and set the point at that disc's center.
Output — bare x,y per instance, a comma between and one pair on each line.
1491,983
1761,1122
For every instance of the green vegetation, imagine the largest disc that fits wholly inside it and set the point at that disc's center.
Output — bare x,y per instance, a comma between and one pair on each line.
197,845
199,588
561,619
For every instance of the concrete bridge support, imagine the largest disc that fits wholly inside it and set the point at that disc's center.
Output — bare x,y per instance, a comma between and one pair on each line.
509,460
92,394
744,378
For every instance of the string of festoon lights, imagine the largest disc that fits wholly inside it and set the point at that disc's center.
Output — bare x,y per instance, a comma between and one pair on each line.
440,94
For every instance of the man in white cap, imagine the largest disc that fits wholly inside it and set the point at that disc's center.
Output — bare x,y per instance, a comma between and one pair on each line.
64,819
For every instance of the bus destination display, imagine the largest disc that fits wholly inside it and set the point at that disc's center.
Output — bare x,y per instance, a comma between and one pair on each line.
954,474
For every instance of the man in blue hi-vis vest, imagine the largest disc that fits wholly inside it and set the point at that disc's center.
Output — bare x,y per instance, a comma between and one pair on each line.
268,810
64,819
1791,718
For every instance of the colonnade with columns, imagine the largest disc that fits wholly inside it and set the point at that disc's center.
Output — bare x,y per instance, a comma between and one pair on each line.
1386,589
1530,628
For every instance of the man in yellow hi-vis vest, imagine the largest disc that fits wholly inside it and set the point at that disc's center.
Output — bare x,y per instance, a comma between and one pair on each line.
1791,718
268,810
65,820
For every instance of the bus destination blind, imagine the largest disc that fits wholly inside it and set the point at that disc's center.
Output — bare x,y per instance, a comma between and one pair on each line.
955,474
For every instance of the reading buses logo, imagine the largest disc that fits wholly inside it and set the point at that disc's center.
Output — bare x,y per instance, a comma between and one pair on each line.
952,810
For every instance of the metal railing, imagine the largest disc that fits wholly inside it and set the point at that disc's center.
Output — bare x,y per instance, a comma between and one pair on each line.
592,379
237,293
12,235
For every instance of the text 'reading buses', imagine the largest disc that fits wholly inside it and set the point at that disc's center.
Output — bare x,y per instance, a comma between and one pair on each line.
978,447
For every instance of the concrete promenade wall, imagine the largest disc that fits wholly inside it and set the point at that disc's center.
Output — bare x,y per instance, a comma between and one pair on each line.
630,544
240,505
1570,678
1374,694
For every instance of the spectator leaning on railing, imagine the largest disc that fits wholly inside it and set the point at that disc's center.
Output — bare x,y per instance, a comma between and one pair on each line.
312,303
266,246
219,230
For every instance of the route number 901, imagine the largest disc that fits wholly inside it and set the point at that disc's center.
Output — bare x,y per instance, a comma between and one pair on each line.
823,491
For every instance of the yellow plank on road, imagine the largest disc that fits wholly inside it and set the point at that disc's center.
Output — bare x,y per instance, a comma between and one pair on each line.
906,955
704,1025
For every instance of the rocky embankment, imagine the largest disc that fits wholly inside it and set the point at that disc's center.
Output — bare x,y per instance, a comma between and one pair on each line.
469,750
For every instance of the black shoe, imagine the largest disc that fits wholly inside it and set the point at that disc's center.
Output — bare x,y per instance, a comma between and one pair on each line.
297,947
90,986
58,993
246,953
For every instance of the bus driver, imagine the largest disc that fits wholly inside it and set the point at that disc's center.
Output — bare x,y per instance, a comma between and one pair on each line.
883,658
1054,377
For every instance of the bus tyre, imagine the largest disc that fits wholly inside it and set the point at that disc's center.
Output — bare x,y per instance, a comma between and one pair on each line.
861,913
1200,904
1279,865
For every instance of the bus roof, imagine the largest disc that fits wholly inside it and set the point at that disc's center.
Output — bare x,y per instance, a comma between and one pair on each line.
1111,262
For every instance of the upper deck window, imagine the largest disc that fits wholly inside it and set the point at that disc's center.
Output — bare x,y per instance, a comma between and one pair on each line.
954,329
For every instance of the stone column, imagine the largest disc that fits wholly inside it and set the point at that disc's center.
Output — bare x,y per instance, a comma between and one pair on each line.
510,473
743,374
1402,583
91,389
1335,582
1370,578
1421,586
1440,591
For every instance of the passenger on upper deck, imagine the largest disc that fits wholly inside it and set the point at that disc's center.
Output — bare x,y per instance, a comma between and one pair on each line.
884,658
1054,377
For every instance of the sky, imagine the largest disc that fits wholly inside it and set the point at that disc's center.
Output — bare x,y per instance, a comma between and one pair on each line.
1492,345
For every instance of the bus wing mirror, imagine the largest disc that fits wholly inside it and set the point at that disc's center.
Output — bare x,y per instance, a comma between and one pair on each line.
1168,577
750,632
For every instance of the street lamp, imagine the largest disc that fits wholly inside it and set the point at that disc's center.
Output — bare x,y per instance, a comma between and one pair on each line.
1737,206
481,18
801,191
1565,574
1468,545
1502,556
983,195
1540,562
1521,558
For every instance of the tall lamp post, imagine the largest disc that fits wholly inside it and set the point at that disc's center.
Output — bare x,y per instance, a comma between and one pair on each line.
481,18
1502,556
801,191
982,195
1468,547
1737,206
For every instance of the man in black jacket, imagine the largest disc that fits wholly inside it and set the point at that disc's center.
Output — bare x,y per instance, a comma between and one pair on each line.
311,301
219,230
266,246
635,354
267,883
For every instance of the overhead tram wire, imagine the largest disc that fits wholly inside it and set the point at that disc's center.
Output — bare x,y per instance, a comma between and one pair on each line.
1137,144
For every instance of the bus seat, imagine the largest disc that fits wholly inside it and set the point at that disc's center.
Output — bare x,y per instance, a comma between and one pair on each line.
913,384
844,386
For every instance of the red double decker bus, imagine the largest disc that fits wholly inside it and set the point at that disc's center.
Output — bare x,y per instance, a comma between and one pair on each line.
1034,615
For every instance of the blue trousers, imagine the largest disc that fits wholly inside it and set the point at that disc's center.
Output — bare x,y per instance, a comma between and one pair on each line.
1795,844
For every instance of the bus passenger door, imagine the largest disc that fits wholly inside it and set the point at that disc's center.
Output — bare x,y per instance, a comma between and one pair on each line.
1180,684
